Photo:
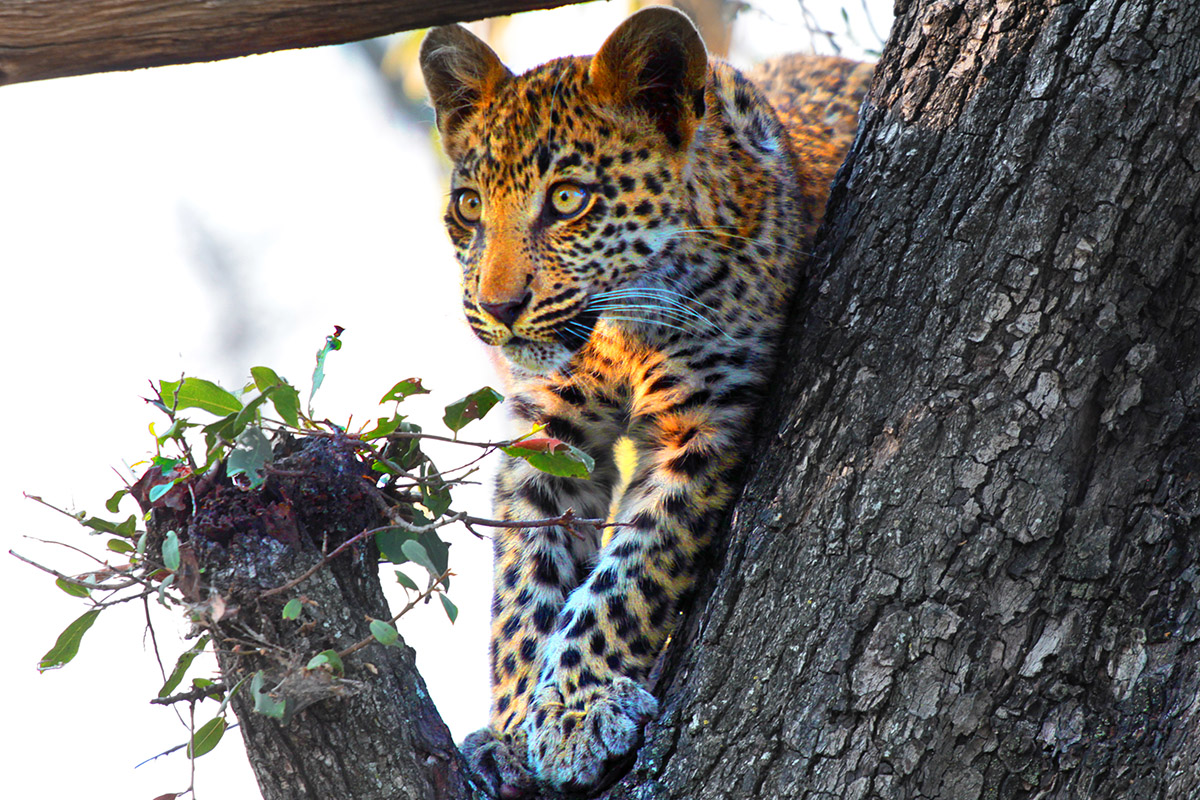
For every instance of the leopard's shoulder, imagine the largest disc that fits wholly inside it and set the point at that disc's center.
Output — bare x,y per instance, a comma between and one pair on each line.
817,99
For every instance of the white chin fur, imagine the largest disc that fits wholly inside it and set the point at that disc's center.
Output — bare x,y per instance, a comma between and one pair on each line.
538,358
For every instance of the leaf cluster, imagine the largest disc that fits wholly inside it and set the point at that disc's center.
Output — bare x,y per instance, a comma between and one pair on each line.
213,434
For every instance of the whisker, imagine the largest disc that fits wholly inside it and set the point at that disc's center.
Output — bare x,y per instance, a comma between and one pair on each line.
678,311
577,327
668,302
686,324
655,293
688,307
654,322
647,290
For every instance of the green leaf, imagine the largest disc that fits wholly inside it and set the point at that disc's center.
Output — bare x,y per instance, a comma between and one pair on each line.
73,589
67,646
228,428
400,546
199,393
181,666
328,658
286,399
265,378
249,414
105,526
379,466
128,528
382,428
226,695
406,582
416,554
451,609
389,541
553,456
222,428
170,551
438,503
263,702
435,494
207,737
332,343
175,431
162,589
113,503
156,492
292,608
250,456
406,453
470,408
120,546
384,632
403,389
439,553
166,465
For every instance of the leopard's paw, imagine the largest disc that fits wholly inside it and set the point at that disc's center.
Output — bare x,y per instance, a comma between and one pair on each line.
498,765
573,750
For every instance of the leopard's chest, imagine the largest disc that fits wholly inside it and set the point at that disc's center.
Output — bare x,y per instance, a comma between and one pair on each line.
625,380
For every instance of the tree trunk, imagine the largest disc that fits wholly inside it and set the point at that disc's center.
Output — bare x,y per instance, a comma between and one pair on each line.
965,562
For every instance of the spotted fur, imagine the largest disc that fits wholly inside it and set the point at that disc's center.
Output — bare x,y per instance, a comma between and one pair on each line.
630,227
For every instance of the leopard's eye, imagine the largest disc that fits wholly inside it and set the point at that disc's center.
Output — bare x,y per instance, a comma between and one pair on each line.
569,199
468,206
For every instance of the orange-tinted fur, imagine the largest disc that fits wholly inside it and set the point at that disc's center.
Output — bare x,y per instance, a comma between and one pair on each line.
630,227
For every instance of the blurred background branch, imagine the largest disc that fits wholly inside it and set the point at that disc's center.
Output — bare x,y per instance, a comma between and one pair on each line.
77,37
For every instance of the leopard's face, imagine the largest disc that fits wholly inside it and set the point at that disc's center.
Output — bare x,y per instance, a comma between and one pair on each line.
556,203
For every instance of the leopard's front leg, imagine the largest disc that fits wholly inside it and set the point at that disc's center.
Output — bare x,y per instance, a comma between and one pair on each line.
591,702
534,571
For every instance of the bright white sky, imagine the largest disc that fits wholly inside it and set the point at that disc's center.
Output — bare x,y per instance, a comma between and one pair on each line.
332,210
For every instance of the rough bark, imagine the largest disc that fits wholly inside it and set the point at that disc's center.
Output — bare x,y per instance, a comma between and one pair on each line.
372,734
41,39
965,563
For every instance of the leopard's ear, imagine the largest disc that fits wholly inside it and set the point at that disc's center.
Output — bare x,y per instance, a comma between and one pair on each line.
461,73
655,62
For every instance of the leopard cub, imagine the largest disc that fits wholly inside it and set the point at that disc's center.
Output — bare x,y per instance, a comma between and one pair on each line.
630,227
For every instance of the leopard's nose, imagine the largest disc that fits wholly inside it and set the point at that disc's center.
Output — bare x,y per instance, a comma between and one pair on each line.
506,313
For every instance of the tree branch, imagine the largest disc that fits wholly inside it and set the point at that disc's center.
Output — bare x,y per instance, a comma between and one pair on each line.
40,40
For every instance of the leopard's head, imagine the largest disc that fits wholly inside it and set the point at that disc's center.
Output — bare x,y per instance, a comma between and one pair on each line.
569,182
